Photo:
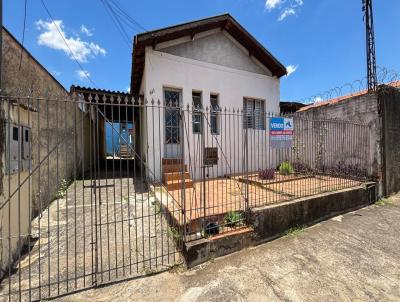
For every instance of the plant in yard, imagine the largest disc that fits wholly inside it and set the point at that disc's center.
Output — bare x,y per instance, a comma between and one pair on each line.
266,174
286,168
233,218
382,202
300,167
62,190
294,230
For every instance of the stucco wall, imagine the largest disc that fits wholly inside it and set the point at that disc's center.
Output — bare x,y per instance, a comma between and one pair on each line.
390,100
218,48
164,70
359,110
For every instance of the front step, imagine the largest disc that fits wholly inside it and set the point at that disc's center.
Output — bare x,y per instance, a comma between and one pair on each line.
175,176
171,161
178,185
174,168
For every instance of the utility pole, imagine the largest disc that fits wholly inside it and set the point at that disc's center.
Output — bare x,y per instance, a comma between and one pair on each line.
370,44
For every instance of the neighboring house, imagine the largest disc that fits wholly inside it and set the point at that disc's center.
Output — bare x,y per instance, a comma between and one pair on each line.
212,63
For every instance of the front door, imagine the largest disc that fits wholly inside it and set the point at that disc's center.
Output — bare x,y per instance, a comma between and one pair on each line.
172,147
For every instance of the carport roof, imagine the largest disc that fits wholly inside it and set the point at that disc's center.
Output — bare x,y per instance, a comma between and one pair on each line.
225,22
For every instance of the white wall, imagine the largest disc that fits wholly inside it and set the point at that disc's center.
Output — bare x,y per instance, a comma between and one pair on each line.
168,71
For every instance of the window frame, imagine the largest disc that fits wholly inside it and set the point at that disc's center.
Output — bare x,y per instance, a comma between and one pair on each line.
214,114
252,119
197,113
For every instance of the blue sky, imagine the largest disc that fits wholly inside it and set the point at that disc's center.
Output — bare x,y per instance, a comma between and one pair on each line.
323,40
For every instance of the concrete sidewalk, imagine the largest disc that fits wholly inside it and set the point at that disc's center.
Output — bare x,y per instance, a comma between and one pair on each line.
353,257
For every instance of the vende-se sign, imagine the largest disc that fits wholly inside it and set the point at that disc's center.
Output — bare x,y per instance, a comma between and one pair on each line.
281,132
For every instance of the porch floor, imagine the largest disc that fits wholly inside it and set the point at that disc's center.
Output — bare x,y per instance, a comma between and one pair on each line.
213,199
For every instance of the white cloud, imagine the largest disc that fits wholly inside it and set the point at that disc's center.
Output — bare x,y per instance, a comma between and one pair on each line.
271,4
128,89
287,12
83,75
290,69
86,31
286,7
80,50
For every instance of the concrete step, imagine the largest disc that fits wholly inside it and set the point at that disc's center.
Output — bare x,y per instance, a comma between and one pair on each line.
177,185
171,161
175,176
174,168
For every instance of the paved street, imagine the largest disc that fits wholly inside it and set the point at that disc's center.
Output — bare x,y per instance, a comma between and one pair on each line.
353,257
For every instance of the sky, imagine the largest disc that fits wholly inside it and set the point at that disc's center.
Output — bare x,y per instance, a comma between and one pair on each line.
321,42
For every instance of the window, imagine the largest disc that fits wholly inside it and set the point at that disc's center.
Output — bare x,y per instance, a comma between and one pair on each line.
197,112
15,133
26,135
253,114
214,109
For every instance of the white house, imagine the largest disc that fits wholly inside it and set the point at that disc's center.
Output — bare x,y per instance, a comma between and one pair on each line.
212,63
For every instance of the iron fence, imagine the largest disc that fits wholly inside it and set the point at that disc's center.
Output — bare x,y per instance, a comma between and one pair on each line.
103,187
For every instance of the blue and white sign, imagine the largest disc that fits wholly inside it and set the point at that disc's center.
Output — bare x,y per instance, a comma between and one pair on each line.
281,132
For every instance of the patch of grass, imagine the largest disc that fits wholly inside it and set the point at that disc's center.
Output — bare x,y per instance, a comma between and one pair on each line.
149,271
382,202
233,218
173,233
286,168
294,231
157,206
62,190
178,268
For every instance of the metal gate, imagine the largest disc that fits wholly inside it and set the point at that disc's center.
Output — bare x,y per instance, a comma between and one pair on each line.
78,204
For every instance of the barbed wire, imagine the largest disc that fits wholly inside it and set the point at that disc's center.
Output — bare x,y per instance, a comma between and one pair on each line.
385,76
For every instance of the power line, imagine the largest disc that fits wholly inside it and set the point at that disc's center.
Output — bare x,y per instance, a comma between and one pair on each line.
66,43
116,21
127,16
23,36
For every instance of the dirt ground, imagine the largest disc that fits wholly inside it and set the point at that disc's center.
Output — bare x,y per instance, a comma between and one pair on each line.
352,257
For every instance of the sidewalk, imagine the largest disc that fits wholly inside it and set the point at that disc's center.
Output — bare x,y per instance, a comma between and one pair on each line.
353,257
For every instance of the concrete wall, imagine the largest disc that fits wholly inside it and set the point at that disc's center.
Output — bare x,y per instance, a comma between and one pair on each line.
343,142
163,70
390,102
57,125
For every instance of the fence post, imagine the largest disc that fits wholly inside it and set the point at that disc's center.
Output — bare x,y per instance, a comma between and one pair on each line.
183,190
247,164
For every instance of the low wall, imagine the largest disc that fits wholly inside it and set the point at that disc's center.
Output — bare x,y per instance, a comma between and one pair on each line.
272,221
267,223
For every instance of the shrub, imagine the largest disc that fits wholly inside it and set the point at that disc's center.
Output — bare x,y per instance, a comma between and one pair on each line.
266,174
300,167
233,218
286,168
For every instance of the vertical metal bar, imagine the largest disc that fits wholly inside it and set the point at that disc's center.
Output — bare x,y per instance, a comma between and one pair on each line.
48,192
83,140
40,199
129,156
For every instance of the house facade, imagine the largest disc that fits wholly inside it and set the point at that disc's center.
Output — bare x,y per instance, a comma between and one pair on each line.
211,64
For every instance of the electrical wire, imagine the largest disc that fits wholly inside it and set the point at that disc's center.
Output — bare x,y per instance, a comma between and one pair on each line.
23,36
66,43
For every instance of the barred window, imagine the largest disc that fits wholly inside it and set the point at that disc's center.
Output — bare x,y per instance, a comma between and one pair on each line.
197,113
254,114
214,114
